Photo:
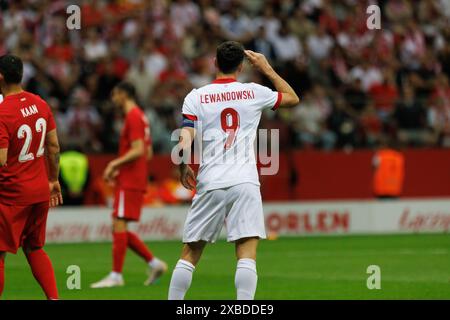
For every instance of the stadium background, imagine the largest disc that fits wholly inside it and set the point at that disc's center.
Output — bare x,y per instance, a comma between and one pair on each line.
358,87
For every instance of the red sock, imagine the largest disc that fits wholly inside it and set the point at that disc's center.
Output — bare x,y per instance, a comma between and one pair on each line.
2,275
138,246
42,269
119,250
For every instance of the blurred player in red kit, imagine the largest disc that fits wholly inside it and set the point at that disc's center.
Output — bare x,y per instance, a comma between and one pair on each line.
28,140
129,173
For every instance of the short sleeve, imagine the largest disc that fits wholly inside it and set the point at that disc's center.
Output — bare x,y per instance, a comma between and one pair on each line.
190,109
4,135
136,127
267,98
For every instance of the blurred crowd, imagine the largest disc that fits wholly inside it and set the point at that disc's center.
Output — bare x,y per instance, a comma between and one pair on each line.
357,86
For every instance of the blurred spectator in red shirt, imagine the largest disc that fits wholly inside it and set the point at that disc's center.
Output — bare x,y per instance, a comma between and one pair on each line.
61,49
328,20
371,125
120,64
382,45
92,13
172,74
384,95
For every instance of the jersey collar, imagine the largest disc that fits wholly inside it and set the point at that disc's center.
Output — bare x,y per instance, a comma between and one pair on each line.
14,96
224,80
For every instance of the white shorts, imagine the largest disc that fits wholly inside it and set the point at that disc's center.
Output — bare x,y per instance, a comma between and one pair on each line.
238,207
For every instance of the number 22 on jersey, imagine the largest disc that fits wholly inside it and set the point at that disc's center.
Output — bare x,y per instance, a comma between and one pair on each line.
26,132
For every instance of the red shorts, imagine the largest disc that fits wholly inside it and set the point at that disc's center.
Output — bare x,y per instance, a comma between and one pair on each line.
22,226
128,204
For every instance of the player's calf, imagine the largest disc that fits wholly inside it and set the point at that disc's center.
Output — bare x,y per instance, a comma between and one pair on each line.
119,246
42,270
246,248
246,277
182,274
192,251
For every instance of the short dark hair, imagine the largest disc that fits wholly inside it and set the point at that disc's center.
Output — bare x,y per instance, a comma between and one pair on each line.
128,88
11,67
229,56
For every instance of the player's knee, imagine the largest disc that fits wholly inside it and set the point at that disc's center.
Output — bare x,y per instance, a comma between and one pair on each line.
119,225
193,251
27,249
246,248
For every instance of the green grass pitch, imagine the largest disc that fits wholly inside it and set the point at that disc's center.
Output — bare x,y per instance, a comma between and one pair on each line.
412,267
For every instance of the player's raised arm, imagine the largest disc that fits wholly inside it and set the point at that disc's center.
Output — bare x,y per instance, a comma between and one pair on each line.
52,155
259,61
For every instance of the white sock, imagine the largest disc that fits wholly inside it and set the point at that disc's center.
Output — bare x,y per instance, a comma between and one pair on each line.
181,280
115,275
155,262
246,279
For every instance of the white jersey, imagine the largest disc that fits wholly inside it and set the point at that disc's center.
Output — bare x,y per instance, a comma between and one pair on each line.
226,115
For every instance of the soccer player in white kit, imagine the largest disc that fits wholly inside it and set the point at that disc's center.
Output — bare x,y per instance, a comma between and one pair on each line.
225,115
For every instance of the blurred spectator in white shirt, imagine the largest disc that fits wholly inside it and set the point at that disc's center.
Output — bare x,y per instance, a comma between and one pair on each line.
201,74
236,25
353,42
319,44
95,47
184,13
269,22
413,46
367,73
310,120
287,45
142,79
155,62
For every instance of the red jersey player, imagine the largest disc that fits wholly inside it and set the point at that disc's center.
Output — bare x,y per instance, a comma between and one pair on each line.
28,139
129,173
